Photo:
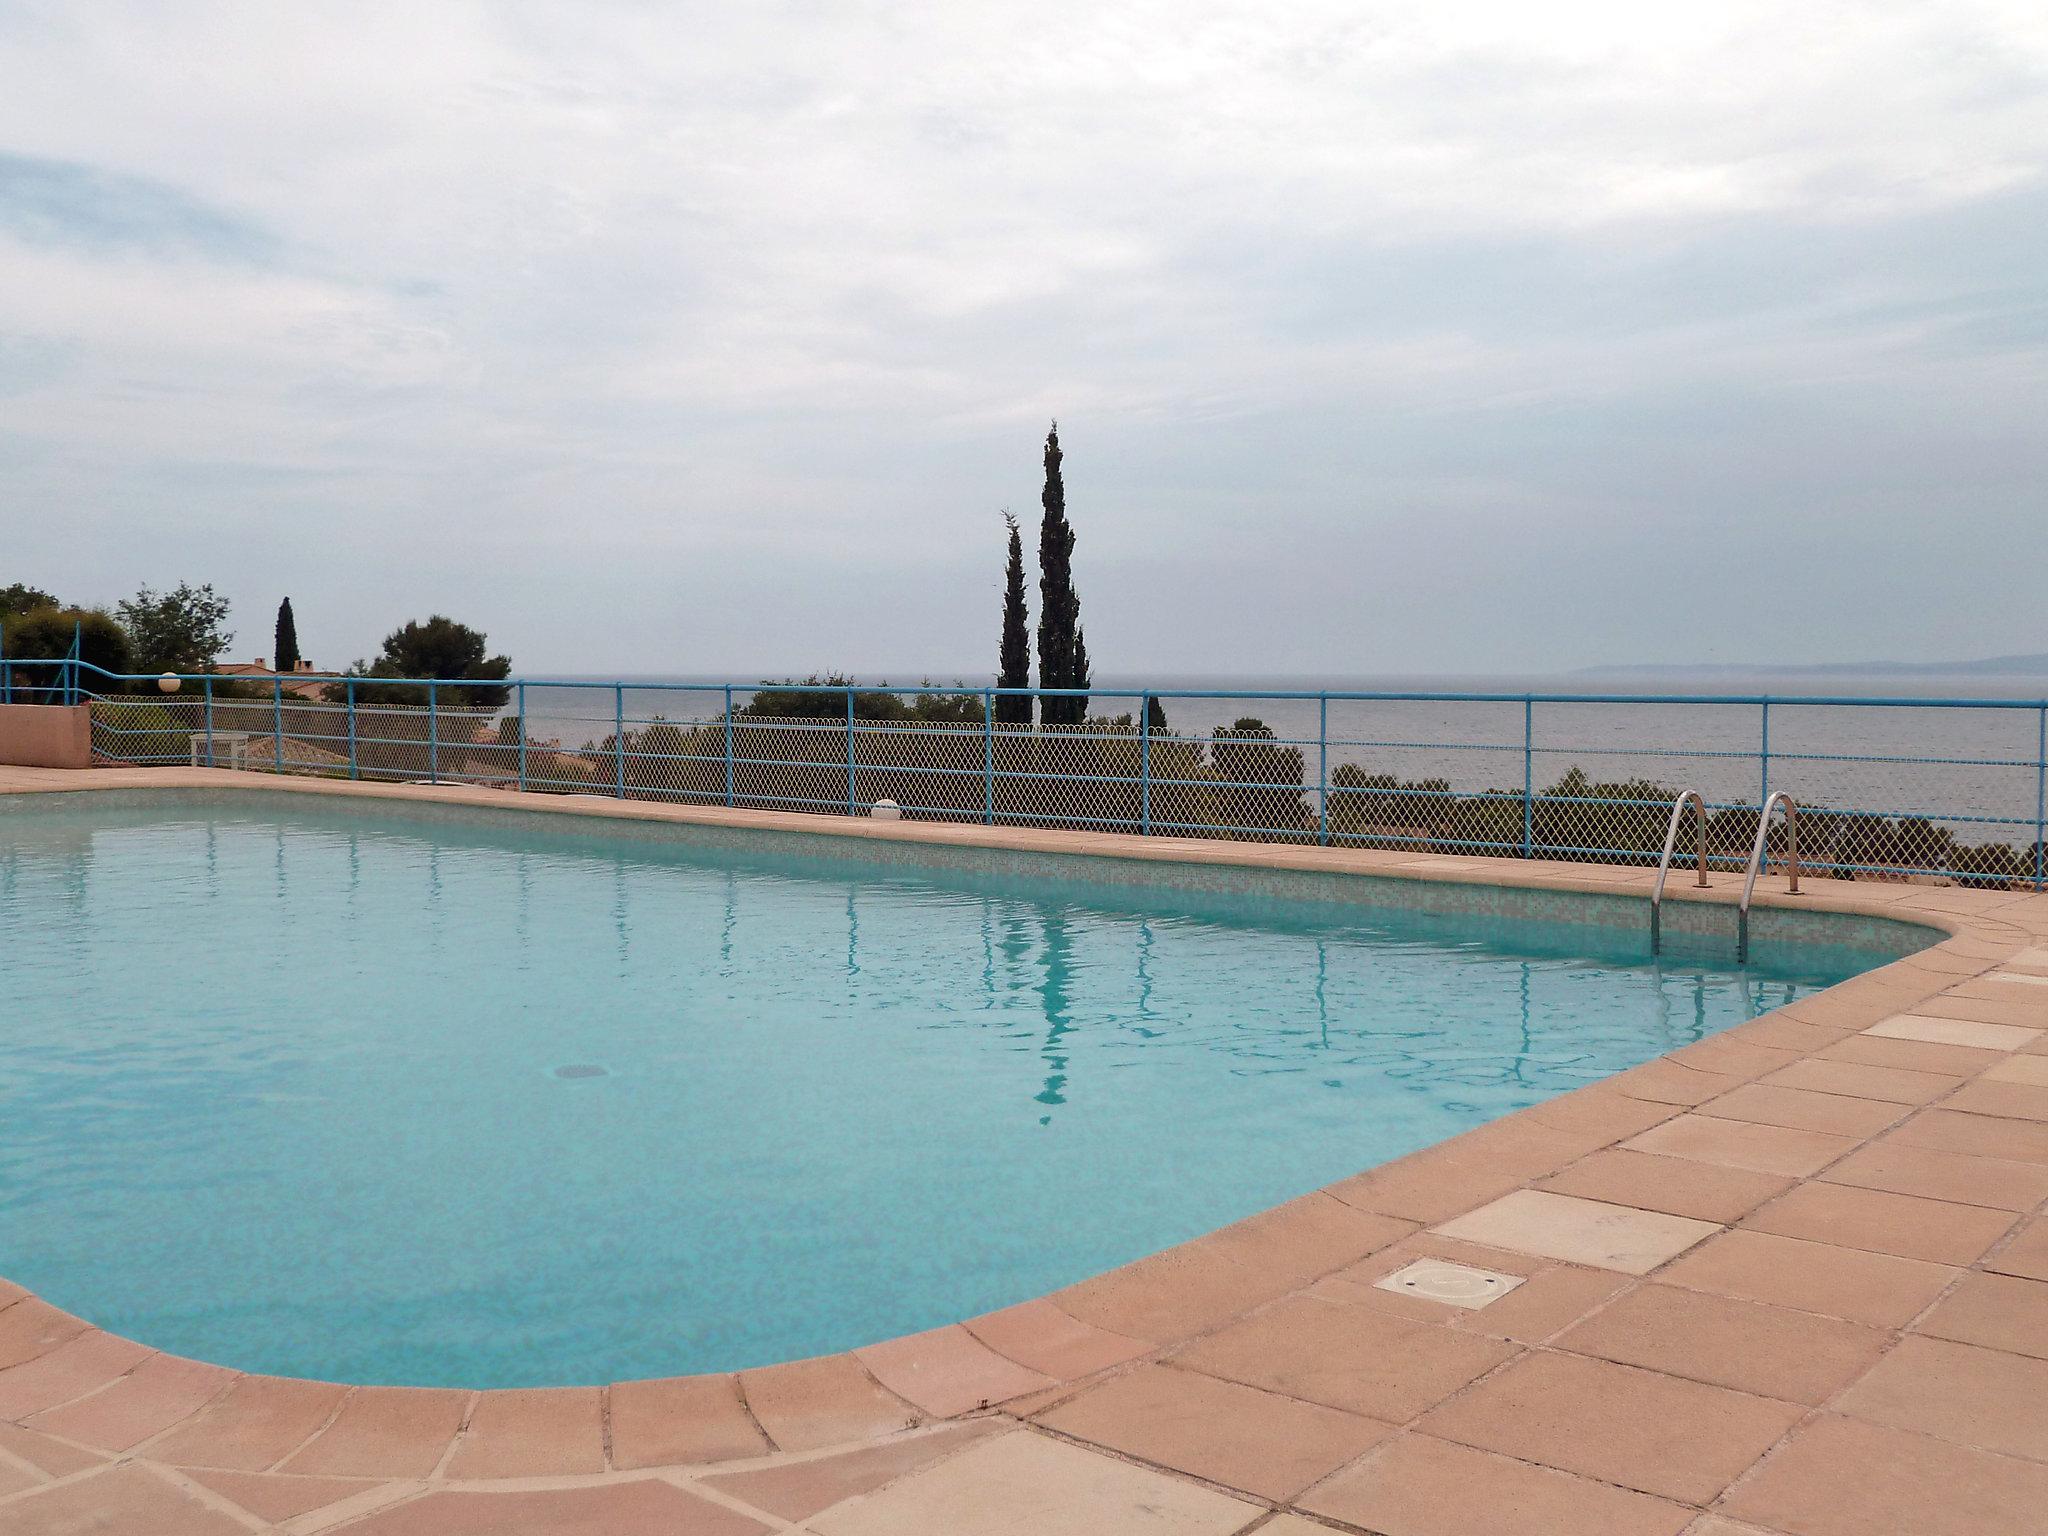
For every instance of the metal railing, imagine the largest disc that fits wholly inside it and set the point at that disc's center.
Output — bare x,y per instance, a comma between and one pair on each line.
1758,854
1685,798
1954,790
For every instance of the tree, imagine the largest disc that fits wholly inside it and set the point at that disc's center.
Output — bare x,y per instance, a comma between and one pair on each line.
285,656
438,648
46,634
176,631
1062,653
1014,670
21,598
1155,714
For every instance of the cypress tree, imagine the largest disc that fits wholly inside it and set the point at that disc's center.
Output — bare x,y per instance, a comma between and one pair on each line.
1062,653
1015,662
286,656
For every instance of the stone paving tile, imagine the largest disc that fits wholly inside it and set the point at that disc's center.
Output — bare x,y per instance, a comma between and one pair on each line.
258,1422
948,1371
536,1432
1746,1345
641,1508
2031,1070
1669,1082
271,1496
1676,1185
1938,1231
809,1404
1550,1297
1942,1130
1243,1438
1803,1109
1887,1084
1172,1294
682,1419
1657,1434
1420,1486
1982,1398
2026,1255
796,1490
1904,1169
125,1500
1579,1231
1022,1482
1356,1358
157,1394
1994,1311
1039,1335
52,1457
2005,1101
1455,1176
1936,1030
1879,1289
1912,1055
1743,1144
1843,1477
82,1364
1982,1011
31,1328
394,1432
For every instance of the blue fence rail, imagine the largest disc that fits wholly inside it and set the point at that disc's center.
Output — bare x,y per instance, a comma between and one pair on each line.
1895,787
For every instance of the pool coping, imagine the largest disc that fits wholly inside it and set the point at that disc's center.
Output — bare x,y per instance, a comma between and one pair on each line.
86,1404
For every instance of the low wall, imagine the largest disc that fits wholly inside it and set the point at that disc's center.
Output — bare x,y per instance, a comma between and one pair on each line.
46,735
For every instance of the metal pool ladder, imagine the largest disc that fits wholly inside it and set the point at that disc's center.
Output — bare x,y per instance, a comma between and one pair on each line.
1685,797
1756,863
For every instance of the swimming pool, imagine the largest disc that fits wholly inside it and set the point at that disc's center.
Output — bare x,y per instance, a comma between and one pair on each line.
396,1093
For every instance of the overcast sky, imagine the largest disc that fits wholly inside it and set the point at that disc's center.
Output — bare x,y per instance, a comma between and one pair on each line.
715,338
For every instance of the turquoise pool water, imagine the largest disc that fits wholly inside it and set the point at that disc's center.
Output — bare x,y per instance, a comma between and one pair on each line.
321,1090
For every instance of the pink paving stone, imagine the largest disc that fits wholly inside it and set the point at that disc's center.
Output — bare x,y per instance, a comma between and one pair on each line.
807,1405
796,1490
147,1401
72,1369
52,1457
682,1419
384,1432
269,1496
31,1328
543,1432
1038,1335
641,1508
257,1423
948,1371
127,1500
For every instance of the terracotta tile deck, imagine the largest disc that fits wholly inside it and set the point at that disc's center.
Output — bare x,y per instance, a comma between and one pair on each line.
1792,1280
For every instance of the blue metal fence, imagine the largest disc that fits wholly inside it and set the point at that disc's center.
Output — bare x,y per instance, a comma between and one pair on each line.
1888,787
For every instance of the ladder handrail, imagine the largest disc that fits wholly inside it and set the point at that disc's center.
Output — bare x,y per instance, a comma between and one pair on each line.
1756,860
1685,797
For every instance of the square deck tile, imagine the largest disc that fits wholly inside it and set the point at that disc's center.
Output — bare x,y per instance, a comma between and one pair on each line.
681,1419
1982,1398
1993,1311
2026,1255
1879,1289
1940,1031
1657,1434
1677,1186
1218,1430
1802,1109
1904,1169
1026,1482
1579,1231
1843,1477
1938,1231
1743,1144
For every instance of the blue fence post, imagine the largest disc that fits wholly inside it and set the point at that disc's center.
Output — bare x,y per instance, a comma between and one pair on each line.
433,735
849,751
728,744
355,763
522,735
988,757
1145,767
6,670
77,656
277,725
2041,800
1529,778
1763,789
207,724
1323,769
619,739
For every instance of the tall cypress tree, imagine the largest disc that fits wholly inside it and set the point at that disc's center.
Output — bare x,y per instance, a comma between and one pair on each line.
1062,653
1015,661
286,656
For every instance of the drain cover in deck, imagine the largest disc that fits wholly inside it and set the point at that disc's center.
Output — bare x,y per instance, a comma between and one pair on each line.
1457,1285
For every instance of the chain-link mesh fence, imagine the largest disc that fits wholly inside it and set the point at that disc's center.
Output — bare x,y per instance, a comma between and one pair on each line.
1886,790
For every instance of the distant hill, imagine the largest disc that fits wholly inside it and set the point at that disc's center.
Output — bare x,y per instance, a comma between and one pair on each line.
1989,666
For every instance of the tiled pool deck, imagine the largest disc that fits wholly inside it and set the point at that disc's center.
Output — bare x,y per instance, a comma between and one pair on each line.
1791,1279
